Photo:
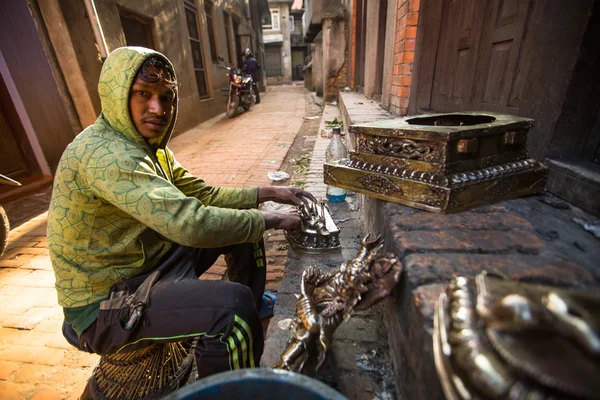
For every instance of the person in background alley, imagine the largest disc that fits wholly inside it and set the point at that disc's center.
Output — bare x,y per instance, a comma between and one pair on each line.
130,230
251,66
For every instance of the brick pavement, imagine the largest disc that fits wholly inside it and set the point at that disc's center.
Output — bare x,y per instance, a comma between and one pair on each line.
35,360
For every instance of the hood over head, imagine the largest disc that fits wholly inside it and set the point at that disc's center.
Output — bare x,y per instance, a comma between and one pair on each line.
118,74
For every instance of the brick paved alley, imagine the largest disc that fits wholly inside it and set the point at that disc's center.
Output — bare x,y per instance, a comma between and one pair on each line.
35,360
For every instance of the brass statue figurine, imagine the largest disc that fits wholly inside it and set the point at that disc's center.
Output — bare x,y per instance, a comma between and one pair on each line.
328,298
318,232
501,339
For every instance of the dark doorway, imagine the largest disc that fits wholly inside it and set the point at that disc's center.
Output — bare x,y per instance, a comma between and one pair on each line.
137,29
298,55
14,148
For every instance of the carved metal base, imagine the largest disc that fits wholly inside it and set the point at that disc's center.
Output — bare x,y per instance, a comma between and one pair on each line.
438,192
318,233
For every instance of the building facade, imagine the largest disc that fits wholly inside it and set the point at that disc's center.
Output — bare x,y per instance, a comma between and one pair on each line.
49,96
278,25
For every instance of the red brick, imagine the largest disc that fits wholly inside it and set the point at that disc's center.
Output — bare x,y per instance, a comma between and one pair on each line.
402,32
9,391
411,32
210,277
274,276
399,47
47,394
404,92
397,60
396,80
412,18
409,57
402,21
485,241
406,69
409,44
396,70
414,5
217,270
402,8
406,80
403,102
32,354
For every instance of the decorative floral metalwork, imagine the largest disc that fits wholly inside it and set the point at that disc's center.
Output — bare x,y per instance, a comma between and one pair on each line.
379,184
395,147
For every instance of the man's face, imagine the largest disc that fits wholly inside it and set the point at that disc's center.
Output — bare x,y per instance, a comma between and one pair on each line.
151,107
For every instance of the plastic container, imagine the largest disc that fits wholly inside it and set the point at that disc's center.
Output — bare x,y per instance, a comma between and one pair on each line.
257,383
335,152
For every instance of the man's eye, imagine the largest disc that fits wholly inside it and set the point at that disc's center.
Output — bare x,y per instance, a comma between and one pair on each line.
142,93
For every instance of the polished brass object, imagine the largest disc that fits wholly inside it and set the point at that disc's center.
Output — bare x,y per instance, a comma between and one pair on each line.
328,298
516,137
441,162
318,233
466,146
501,339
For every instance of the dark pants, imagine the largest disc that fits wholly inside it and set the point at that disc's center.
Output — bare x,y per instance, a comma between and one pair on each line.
175,306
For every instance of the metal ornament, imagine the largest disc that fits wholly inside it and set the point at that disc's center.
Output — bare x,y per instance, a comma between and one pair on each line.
328,298
441,162
318,233
501,339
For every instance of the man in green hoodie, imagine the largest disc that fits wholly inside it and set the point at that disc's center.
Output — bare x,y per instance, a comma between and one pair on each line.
130,230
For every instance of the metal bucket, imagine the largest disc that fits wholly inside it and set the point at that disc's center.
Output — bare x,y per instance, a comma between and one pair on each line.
257,383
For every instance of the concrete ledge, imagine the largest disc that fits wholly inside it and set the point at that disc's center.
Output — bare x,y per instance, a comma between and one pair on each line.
576,181
532,239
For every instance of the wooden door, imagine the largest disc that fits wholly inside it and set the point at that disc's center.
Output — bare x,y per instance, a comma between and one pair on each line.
504,55
482,54
455,65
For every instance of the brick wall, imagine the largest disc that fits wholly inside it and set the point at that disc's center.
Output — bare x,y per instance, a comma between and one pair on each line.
407,16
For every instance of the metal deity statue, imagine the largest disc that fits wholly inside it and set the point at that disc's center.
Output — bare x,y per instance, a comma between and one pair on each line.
328,298
501,339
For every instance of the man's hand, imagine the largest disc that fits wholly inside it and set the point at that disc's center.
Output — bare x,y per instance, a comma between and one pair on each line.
281,220
282,194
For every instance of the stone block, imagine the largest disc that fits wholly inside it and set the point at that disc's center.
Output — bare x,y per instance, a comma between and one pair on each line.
423,269
465,241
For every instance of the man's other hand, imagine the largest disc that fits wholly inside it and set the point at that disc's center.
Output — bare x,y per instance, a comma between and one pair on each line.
281,220
284,194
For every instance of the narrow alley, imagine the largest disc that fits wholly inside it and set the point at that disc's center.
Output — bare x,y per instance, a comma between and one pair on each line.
35,360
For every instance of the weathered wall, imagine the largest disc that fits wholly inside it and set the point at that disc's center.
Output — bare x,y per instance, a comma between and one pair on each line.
335,57
317,65
34,80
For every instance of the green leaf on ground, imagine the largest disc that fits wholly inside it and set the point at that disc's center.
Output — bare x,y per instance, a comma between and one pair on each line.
300,184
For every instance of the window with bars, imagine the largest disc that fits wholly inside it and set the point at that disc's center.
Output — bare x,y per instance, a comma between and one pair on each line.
226,19
209,11
191,16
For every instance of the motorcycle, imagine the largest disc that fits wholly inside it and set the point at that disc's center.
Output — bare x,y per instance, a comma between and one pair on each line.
240,92
4,225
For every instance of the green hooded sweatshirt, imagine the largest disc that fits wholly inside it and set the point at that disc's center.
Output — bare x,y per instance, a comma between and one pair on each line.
119,203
